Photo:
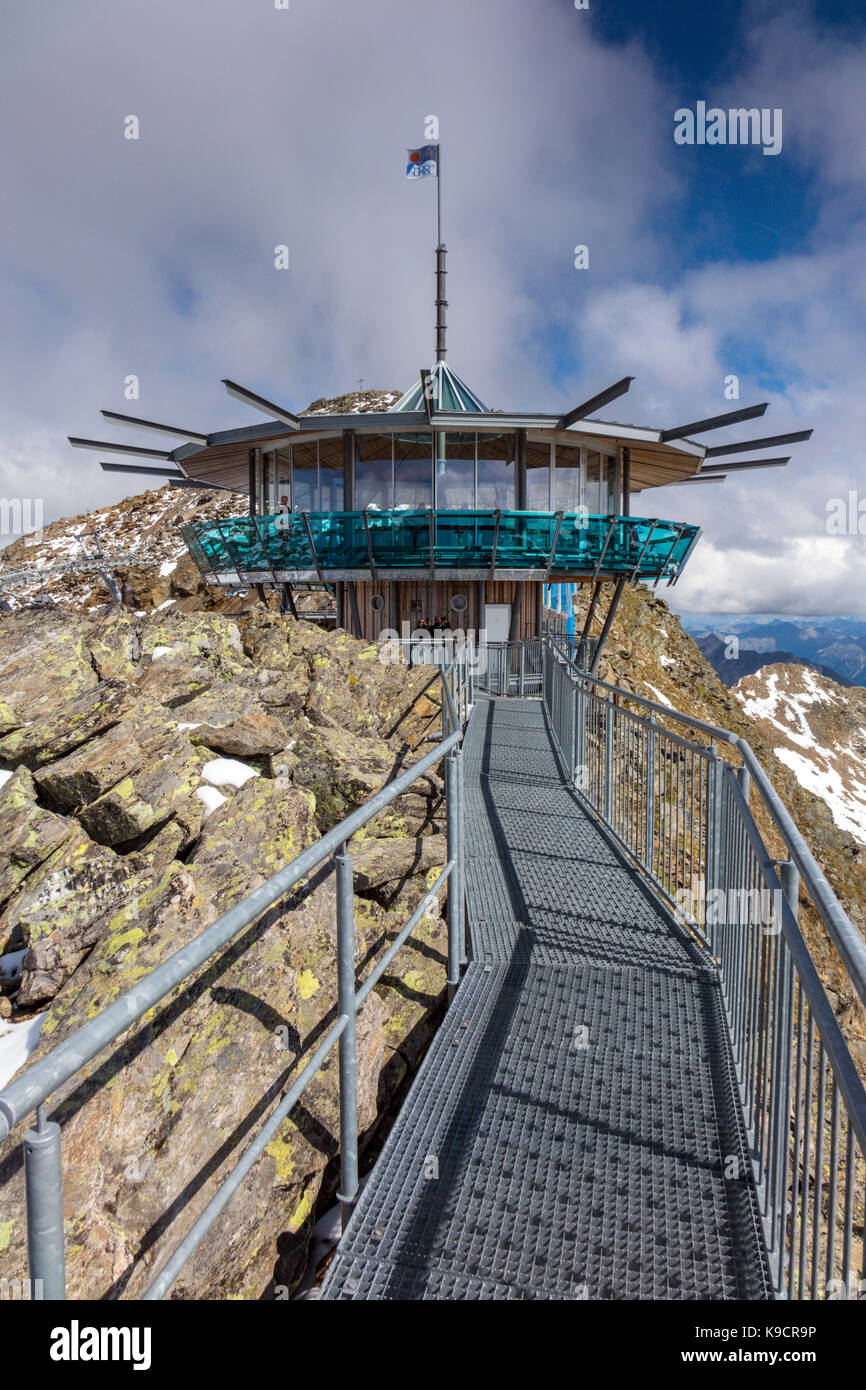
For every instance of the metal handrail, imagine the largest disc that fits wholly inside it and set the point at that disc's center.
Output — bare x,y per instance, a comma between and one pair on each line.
844,935
42,1146
683,815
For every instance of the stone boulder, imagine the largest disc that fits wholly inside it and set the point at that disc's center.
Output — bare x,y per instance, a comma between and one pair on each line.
128,781
231,720
115,643
9,720
63,910
341,768
44,659
382,866
29,835
70,724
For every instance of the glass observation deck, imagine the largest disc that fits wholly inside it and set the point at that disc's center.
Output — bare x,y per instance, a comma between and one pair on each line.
406,544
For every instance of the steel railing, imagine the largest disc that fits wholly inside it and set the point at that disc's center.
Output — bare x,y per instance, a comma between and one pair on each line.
31,1091
512,668
659,783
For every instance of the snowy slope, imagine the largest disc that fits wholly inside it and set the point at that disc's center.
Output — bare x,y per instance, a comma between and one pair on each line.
817,729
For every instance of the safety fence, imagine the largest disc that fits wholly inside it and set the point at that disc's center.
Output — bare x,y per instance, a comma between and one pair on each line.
658,781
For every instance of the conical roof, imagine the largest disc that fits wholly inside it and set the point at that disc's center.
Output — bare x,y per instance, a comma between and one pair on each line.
449,393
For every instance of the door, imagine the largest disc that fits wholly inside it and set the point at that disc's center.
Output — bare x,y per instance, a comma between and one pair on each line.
497,621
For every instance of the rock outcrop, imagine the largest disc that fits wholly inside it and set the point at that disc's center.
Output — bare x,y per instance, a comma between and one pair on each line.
162,766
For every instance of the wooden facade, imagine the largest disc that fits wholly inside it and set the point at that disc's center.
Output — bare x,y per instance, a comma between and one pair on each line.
423,600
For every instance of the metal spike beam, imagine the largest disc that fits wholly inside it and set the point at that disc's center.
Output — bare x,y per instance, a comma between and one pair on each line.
715,422
604,398
267,407
136,450
135,423
749,445
744,466
140,468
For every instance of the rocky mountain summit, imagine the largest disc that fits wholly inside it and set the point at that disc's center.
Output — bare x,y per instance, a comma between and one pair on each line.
161,758
143,531
817,728
157,767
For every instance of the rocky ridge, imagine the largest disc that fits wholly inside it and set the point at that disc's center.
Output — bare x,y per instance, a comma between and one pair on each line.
156,769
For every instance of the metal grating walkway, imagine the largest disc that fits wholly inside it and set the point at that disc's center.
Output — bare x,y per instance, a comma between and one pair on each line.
569,1132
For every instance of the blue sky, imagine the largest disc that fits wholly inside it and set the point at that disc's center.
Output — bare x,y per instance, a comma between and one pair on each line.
155,257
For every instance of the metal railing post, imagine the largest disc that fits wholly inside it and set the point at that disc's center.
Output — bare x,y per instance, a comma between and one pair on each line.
573,750
650,797
714,838
43,1178
455,888
745,780
581,735
348,1193
789,877
608,762
461,856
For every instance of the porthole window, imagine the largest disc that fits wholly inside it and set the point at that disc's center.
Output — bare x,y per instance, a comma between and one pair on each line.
377,603
459,603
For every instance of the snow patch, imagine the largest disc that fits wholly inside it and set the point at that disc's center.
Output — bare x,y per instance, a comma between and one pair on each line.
667,661
786,710
159,652
4,778
10,964
227,772
17,1041
847,806
662,699
167,567
212,799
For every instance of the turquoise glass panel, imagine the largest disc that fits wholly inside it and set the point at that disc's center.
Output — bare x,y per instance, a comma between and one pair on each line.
461,540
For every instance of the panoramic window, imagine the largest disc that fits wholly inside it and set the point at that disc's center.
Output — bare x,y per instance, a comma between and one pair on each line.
305,477
413,470
599,483
496,472
537,477
373,472
455,470
283,496
331,475
566,490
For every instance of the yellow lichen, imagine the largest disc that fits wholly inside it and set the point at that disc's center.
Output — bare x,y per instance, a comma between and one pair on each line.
307,984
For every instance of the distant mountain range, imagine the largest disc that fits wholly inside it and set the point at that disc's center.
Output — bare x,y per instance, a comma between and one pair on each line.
834,647
732,667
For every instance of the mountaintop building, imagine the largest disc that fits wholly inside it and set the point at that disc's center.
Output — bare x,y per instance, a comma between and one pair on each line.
433,509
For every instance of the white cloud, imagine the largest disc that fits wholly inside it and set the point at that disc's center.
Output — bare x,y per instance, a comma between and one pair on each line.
261,126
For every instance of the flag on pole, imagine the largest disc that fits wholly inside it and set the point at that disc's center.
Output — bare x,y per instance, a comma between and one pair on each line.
423,162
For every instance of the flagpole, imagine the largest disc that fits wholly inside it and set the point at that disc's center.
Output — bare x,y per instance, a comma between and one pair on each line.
441,302
439,194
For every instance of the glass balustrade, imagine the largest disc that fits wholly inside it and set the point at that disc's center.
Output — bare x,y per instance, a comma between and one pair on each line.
460,540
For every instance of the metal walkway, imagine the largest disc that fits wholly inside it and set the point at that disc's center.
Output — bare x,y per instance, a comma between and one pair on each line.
571,1130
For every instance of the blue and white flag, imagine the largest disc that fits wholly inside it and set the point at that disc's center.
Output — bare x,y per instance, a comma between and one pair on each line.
423,162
